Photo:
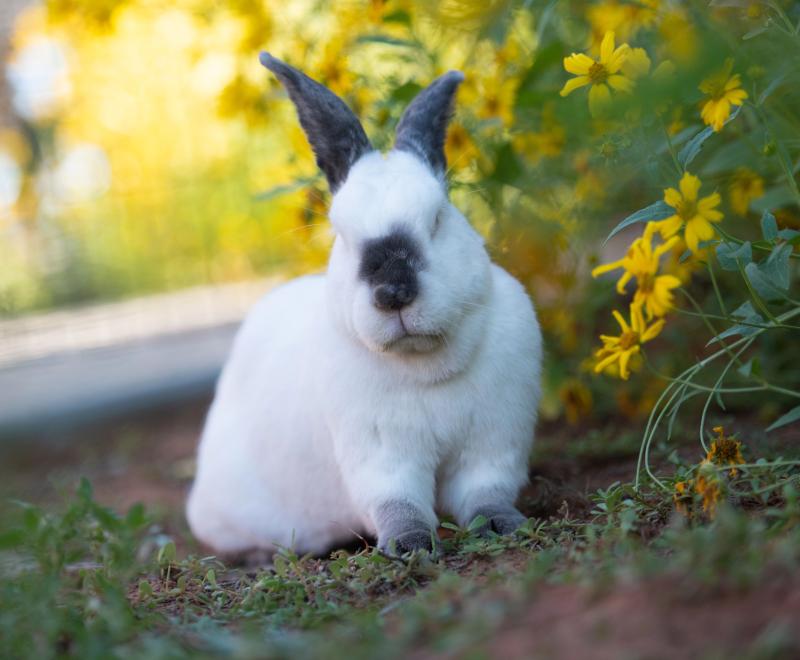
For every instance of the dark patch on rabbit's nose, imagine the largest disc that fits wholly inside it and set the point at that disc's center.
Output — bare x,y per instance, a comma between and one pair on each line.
392,297
389,265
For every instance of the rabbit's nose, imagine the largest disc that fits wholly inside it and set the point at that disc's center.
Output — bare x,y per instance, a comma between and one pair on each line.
391,297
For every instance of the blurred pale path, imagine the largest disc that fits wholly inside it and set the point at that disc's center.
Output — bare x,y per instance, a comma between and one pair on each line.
62,367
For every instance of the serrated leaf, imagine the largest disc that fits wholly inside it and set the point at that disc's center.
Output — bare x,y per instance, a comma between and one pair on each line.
731,255
792,416
769,226
657,211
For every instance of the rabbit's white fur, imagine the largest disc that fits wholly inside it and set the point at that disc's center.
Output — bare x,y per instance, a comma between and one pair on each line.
325,410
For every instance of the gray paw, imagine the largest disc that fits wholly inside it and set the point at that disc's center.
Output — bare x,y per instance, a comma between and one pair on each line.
405,542
505,520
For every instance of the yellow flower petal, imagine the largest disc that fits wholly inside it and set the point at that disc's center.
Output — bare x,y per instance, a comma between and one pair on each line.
653,331
607,47
620,319
619,58
672,197
573,84
637,64
690,186
620,83
578,63
624,358
605,268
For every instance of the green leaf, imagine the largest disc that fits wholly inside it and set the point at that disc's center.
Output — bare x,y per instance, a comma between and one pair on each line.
657,211
507,168
386,40
792,416
731,255
790,235
762,284
167,554
769,226
776,267
399,16
277,191
477,523
406,92
690,150
746,313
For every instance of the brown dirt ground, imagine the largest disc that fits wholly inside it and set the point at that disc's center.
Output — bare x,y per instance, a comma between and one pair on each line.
150,459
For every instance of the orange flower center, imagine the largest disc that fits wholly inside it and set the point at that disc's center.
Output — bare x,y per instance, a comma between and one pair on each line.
628,340
646,283
598,73
687,209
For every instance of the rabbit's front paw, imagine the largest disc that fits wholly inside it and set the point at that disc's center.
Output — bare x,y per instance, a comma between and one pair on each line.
414,539
500,519
402,528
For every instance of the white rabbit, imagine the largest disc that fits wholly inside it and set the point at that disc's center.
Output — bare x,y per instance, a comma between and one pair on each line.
403,381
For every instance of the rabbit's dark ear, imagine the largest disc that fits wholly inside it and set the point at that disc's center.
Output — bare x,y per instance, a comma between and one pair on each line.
334,132
423,126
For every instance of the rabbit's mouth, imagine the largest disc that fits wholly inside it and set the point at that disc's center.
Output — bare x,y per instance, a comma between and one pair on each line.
415,343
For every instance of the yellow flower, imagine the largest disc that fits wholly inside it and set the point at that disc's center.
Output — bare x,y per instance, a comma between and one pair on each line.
682,497
576,399
621,349
599,74
497,99
725,90
624,18
547,142
641,261
745,186
696,215
707,485
725,450
637,64
459,147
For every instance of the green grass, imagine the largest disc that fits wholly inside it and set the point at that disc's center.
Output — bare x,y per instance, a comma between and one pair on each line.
86,582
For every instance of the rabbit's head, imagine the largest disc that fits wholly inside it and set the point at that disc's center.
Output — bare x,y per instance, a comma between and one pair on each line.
408,276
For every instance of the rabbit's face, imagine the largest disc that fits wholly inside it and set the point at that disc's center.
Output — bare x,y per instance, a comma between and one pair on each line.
406,267
407,274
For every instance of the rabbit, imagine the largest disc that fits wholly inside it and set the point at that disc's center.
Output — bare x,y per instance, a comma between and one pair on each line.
402,382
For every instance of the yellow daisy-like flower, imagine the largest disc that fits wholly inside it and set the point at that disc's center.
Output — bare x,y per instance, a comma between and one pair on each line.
745,186
707,486
621,349
696,215
725,90
654,292
725,450
576,399
601,74
682,497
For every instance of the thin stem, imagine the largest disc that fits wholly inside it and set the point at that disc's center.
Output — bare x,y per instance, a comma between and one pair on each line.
747,324
720,301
